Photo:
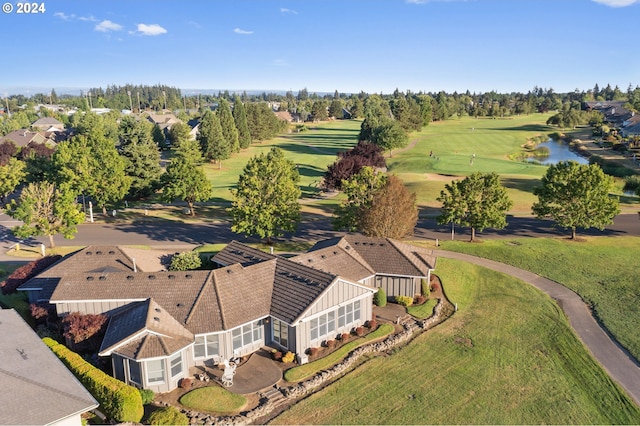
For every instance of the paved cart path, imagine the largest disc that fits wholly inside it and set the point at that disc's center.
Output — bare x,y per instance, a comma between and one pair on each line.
620,365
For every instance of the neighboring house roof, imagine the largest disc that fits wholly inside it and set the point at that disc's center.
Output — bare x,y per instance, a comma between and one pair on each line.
45,123
336,257
284,115
30,374
236,252
164,121
379,255
145,330
23,137
104,258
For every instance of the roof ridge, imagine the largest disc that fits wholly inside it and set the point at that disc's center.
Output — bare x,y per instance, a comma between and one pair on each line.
199,297
218,298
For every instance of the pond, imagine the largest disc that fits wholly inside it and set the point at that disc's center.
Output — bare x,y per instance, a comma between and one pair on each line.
558,151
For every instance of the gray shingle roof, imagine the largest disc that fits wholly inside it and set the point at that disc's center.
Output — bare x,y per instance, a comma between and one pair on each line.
236,252
30,372
145,330
379,255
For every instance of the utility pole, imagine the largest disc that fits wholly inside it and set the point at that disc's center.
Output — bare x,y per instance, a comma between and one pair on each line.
139,104
130,103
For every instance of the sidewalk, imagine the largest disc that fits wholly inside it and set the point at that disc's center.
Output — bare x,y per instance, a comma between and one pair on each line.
620,365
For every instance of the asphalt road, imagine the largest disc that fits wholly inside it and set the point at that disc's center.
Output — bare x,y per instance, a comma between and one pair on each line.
161,233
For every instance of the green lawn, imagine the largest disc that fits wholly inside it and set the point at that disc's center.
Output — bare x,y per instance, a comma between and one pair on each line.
508,356
305,371
602,270
213,399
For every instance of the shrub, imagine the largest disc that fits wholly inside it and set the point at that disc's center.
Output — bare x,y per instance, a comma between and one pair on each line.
185,261
26,272
147,396
380,298
425,289
359,331
434,286
118,401
185,383
37,311
168,416
276,355
331,344
372,324
632,183
80,327
313,351
404,300
344,337
289,357
420,299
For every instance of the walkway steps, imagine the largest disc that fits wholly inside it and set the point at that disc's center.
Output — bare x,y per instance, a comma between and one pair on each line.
274,395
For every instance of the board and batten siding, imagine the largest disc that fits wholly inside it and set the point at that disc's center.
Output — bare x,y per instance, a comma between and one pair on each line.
398,286
339,292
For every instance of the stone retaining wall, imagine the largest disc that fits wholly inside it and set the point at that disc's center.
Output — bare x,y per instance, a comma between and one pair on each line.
442,311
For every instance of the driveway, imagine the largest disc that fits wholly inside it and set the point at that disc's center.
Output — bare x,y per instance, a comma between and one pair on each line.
620,365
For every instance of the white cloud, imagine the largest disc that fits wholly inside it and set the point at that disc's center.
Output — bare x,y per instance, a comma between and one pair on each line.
617,3
285,10
239,31
151,30
63,16
87,18
106,26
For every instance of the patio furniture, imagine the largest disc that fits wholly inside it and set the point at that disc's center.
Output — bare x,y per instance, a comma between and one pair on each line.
229,372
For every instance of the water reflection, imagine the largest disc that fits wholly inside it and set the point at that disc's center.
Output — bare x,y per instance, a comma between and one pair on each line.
558,151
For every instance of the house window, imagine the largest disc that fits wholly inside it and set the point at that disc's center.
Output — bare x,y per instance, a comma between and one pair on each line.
348,314
206,346
199,348
134,372
323,325
280,332
246,335
176,364
155,371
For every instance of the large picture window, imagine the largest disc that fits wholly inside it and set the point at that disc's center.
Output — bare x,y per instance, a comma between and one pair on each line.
206,346
325,324
280,333
155,371
246,335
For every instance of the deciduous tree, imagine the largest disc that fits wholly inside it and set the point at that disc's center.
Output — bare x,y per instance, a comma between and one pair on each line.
185,178
478,201
576,196
265,201
46,209
11,175
360,190
392,213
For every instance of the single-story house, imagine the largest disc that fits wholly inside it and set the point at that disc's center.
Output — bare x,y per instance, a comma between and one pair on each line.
38,388
164,322
48,124
23,137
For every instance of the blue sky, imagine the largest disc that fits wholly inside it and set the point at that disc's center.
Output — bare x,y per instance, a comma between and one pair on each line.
323,45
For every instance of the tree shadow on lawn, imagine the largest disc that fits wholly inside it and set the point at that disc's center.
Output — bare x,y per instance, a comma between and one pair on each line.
521,184
542,128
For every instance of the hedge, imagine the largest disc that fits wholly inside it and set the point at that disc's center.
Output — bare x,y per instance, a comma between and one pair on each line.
118,401
26,272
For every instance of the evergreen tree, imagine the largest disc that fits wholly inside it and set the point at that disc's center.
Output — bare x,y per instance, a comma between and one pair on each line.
228,125
240,119
159,137
143,157
265,201
335,108
184,178
212,142
179,132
